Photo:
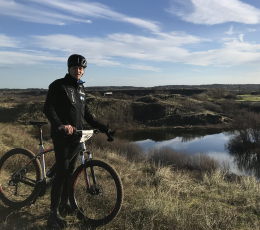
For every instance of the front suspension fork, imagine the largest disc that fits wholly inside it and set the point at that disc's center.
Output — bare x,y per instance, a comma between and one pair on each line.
85,171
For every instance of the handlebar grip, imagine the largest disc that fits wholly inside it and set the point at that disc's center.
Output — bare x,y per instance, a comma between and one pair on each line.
110,135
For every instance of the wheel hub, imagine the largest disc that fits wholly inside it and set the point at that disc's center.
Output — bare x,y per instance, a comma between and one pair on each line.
95,189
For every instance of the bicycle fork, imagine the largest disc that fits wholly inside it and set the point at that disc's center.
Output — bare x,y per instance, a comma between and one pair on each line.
85,171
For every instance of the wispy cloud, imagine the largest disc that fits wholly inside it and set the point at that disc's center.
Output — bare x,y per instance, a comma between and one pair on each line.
162,48
97,10
18,57
232,53
241,37
230,31
6,41
145,67
67,11
210,12
110,50
34,13
251,30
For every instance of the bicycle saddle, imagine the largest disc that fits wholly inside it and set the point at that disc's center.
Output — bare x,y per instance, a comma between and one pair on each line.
38,122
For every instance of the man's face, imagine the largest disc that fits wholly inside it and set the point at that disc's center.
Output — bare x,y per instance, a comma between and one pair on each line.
76,72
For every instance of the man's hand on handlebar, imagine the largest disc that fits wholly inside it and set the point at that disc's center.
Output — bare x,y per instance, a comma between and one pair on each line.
110,134
67,129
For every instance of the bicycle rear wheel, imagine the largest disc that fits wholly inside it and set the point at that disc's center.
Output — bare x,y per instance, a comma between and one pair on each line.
99,204
18,176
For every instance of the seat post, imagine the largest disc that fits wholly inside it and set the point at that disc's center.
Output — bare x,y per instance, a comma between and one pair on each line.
40,134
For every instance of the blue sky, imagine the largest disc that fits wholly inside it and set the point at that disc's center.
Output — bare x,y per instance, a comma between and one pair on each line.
130,43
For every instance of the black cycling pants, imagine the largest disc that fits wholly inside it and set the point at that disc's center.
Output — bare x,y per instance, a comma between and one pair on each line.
65,169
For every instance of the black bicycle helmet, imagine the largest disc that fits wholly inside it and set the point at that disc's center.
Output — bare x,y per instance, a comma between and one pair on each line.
77,60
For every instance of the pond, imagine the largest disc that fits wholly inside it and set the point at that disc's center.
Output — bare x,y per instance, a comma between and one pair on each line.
214,143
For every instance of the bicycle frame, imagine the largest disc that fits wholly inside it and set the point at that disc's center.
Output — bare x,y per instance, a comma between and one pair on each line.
42,185
86,134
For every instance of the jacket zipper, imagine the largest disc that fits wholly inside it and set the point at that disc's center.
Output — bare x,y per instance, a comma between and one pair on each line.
72,96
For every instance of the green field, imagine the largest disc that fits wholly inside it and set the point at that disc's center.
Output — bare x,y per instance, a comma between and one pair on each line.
248,97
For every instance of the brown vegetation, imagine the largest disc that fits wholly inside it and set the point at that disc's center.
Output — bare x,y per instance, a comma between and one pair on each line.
159,193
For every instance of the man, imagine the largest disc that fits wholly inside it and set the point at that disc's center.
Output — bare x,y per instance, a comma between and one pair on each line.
65,107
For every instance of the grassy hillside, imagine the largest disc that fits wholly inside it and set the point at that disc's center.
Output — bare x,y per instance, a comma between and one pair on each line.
157,195
160,110
151,111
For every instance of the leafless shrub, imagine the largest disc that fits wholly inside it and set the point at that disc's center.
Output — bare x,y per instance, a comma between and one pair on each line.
199,97
248,125
96,93
131,151
231,96
124,96
191,105
166,156
217,92
211,106
229,107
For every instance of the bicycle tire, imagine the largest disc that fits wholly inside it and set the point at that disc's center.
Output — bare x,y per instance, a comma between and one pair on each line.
86,204
10,163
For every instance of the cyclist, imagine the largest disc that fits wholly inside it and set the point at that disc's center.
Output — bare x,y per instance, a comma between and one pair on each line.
66,108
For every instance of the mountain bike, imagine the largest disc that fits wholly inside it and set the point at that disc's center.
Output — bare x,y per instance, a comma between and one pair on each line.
96,191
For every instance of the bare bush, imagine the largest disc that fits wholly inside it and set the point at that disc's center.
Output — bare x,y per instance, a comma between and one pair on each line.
166,156
248,126
230,107
191,105
199,97
131,151
96,93
217,92
211,106
231,96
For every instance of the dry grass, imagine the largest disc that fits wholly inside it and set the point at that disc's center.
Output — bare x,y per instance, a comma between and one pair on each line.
156,197
179,161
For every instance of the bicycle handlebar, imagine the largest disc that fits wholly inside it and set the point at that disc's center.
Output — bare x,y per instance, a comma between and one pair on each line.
109,133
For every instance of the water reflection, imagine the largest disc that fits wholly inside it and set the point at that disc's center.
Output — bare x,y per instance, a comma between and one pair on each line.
164,135
244,146
240,149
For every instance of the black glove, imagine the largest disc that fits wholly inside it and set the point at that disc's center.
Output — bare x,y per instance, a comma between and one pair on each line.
103,129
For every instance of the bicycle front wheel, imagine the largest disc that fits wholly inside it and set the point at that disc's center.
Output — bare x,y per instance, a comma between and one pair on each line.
100,202
18,176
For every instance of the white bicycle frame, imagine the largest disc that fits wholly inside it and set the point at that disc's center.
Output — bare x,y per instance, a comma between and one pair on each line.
86,134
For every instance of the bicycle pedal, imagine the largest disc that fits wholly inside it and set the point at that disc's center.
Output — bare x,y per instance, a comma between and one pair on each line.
41,187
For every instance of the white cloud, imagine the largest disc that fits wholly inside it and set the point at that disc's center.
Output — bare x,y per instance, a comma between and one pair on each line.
61,12
231,31
145,67
6,41
97,10
251,30
241,37
36,14
233,53
11,57
161,48
110,50
210,12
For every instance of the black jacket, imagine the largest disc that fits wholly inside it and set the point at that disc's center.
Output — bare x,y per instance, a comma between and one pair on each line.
66,105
